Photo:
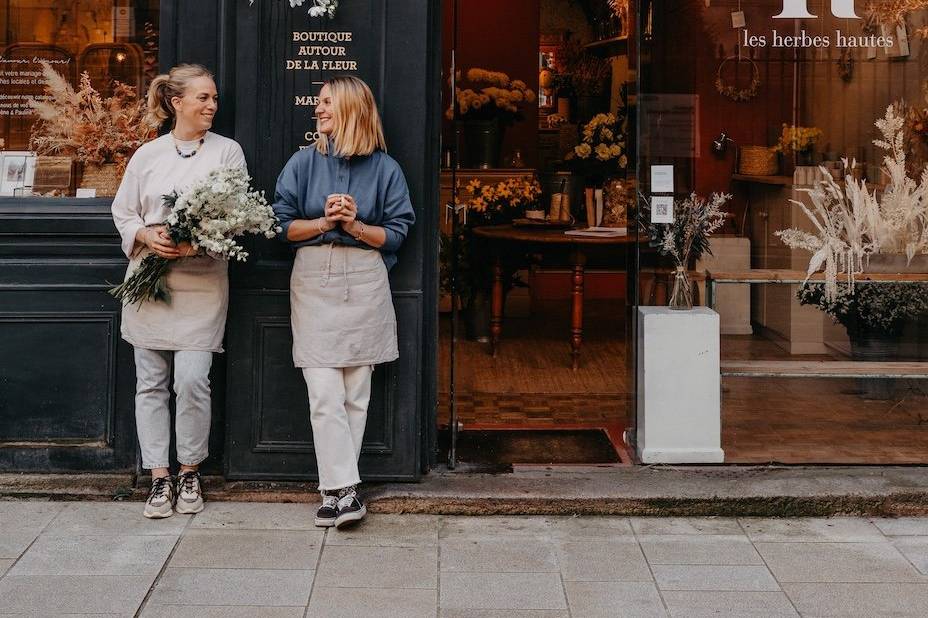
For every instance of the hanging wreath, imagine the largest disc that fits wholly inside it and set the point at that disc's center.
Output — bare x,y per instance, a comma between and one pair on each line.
319,8
732,92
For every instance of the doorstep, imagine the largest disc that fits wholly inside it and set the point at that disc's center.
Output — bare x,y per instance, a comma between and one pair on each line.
783,491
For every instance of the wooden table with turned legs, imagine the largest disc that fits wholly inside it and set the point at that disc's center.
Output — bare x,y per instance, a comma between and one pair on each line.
503,238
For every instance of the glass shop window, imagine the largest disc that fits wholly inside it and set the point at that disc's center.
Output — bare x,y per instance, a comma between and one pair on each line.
56,57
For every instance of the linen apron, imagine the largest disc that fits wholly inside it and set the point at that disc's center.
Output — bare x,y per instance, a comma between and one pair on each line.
195,317
341,308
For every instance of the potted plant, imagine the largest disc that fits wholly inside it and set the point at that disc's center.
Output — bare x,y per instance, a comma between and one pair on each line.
686,239
100,133
485,204
491,103
874,315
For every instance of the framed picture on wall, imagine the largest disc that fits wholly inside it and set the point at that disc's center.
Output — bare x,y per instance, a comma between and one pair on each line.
17,171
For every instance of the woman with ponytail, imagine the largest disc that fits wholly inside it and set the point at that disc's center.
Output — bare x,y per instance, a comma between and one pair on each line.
184,333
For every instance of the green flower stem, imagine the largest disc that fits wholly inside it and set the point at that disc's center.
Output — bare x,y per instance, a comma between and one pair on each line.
148,282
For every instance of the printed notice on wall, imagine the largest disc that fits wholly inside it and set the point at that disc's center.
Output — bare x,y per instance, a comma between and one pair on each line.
21,82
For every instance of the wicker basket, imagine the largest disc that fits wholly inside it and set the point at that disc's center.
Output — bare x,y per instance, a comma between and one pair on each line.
757,161
104,178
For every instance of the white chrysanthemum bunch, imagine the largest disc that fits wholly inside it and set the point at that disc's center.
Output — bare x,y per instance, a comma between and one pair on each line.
216,210
209,214
852,222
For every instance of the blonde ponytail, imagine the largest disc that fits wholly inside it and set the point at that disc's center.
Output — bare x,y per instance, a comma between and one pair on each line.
167,86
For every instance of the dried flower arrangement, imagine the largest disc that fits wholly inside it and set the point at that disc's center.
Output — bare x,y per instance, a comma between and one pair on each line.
852,223
733,92
695,219
892,12
82,124
501,96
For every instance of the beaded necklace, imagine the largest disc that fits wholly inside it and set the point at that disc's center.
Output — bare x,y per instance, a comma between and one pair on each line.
187,155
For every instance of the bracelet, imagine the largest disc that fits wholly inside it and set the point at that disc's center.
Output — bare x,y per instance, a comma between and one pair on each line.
360,236
319,223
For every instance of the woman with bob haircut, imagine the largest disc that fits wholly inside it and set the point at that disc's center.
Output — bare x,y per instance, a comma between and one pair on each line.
184,333
344,206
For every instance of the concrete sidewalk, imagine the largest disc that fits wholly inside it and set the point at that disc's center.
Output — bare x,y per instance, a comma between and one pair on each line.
259,559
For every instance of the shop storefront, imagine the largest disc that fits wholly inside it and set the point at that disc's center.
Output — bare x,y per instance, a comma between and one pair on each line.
520,126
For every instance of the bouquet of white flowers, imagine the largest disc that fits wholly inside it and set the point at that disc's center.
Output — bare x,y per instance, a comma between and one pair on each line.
210,215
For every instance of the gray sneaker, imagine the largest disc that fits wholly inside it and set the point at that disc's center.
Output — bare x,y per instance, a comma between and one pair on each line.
160,502
189,494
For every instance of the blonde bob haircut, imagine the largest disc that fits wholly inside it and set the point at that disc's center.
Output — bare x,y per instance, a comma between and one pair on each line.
358,130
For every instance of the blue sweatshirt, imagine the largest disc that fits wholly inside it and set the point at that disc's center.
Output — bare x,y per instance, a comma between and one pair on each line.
376,183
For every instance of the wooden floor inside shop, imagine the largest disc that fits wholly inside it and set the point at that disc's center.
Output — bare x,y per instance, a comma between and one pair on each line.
530,385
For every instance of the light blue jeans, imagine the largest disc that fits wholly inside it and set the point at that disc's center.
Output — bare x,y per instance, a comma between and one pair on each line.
152,416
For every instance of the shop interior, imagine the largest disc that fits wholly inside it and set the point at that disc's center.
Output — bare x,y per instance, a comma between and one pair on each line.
806,378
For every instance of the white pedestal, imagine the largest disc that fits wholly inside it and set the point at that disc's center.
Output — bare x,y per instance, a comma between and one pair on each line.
732,300
679,400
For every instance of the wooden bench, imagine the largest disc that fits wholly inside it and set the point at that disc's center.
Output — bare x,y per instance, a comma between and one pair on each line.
805,368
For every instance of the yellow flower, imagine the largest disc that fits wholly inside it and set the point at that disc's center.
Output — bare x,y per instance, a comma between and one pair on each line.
518,83
607,133
583,150
473,186
615,150
602,152
623,161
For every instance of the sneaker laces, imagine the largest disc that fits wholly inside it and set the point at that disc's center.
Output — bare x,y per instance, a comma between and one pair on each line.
189,482
329,500
159,488
346,496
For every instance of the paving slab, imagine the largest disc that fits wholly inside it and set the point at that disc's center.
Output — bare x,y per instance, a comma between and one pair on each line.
256,516
388,531
837,562
599,561
103,518
96,555
686,525
17,515
835,529
503,613
695,604
614,600
378,567
257,587
501,556
589,528
714,577
698,549
222,611
13,544
464,591
380,602
249,549
495,527
864,600
5,565
915,549
902,526
46,595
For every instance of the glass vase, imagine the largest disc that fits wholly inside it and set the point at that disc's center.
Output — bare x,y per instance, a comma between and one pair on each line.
682,296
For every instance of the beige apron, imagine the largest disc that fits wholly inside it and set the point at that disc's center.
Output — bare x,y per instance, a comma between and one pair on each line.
195,318
341,308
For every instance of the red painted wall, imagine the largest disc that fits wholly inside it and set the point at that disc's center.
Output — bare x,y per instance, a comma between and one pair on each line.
499,36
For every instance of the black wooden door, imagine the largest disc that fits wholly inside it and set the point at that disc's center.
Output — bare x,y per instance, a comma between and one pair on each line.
389,45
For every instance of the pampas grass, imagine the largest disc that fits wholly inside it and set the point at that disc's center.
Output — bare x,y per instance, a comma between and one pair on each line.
852,222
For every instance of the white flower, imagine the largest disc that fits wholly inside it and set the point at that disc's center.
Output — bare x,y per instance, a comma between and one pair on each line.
316,11
296,3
